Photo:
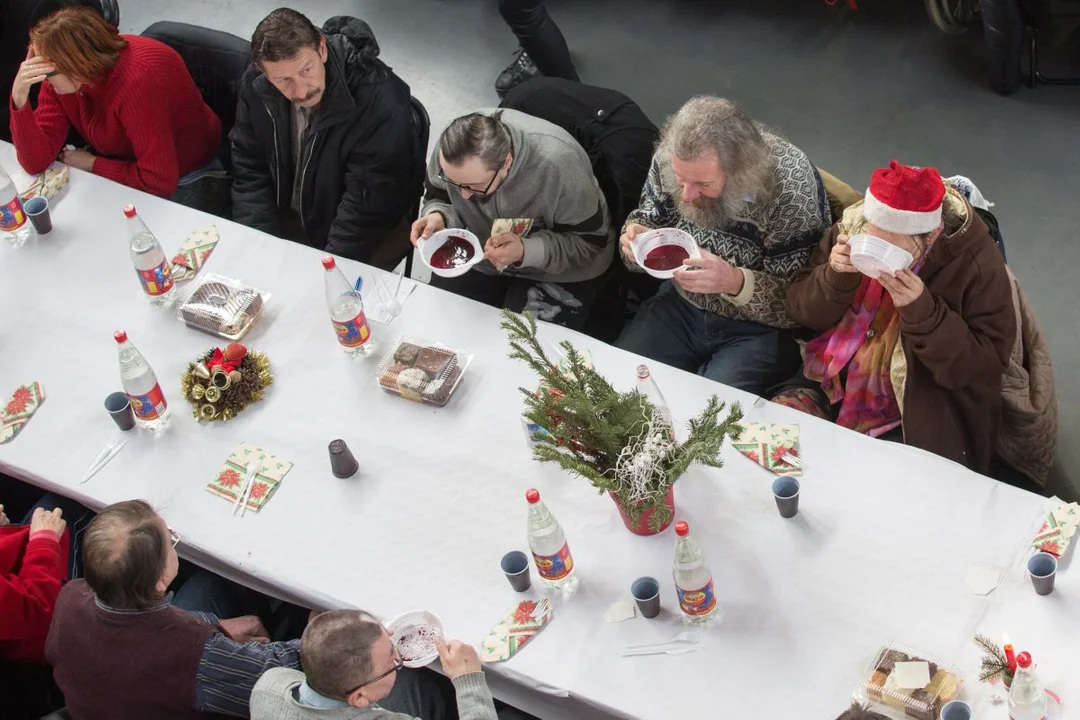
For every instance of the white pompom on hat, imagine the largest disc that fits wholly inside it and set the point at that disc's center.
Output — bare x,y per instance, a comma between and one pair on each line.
904,200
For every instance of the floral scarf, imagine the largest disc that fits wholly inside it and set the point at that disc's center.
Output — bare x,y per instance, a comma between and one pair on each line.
863,342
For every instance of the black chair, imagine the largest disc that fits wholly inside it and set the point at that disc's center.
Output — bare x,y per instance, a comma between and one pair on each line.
110,10
422,123
216,61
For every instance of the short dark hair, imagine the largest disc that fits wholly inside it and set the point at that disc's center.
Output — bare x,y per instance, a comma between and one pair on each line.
483,136
282,34
124,551
861,712
335,651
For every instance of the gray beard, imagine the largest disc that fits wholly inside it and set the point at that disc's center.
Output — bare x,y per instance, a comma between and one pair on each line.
713,213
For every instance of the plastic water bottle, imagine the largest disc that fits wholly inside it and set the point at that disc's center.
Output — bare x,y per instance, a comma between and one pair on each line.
141,385
346,307
547,541
1027,697
14,225
647,387
151,265
693,580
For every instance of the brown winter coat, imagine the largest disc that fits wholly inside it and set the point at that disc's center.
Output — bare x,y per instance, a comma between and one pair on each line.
955,339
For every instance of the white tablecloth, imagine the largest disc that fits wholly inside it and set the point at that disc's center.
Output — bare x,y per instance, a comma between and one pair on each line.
879,551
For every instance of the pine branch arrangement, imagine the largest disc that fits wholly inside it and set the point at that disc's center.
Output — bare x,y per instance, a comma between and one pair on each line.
994,662
587,424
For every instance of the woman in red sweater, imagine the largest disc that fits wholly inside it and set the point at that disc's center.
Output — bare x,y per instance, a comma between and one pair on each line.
130,97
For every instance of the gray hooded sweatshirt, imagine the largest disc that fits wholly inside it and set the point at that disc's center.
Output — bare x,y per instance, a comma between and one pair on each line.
551,182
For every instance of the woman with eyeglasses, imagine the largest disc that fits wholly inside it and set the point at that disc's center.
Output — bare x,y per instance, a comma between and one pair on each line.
526,188
131,98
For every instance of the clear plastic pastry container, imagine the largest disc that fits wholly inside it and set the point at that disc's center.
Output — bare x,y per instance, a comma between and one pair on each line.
422,371
879,688
221,306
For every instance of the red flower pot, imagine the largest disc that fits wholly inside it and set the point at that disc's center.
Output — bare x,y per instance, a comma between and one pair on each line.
641,526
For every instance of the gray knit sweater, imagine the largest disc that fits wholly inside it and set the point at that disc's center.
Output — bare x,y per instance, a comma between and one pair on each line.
551,181
770,241
275,698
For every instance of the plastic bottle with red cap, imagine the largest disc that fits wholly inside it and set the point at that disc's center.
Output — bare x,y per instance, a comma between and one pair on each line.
346,308
140,384
547,541
1027,696
148,257
693,579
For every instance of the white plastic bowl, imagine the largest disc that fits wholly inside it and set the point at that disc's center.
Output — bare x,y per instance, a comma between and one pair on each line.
644,243
406,623
428,247
872,256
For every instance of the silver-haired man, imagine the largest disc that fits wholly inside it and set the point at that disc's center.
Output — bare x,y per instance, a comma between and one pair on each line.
757,207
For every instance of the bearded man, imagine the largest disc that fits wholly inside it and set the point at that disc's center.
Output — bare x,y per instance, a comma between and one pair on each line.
756,207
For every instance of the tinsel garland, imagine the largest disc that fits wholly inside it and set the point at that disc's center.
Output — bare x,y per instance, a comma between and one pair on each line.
230,401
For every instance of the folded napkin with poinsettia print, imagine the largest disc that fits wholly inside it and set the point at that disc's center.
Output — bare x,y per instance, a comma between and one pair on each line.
1057,532
19,408
515,629
773,447
270,471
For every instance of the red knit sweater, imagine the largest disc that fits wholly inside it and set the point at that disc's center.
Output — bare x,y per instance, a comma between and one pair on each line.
146,121
32,570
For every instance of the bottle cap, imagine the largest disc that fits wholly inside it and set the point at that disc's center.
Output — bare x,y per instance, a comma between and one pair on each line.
328,262
129,211
682,528
532,495
120,336
642,372
1023,660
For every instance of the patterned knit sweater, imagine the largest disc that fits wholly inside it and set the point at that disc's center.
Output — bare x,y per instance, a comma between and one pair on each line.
770,241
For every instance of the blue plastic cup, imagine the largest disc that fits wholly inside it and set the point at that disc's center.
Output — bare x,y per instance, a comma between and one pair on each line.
646,592
786,492
516,566
956,710
1042,567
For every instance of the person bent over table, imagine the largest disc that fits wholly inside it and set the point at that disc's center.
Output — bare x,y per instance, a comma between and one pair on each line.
507,165
916,356
756,206
120,650
353,671
131,98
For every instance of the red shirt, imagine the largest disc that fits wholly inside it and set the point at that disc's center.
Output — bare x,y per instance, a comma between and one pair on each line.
146,121
32,571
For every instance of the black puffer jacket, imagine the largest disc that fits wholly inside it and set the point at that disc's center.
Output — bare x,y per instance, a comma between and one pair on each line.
363,161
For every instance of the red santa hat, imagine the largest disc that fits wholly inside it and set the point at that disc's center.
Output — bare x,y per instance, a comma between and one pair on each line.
904,200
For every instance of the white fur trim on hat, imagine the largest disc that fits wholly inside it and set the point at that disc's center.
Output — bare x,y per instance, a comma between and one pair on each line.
902,222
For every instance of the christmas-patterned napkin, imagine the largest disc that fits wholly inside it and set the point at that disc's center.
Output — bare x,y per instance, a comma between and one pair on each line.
229,481
768,444
19,408
48,183
1057,532
193,253
518,226
513,631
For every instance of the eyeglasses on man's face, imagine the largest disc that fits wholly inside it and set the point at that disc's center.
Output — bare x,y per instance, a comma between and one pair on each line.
398,664
469,187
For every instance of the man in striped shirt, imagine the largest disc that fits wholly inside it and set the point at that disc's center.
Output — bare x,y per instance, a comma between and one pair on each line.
122,649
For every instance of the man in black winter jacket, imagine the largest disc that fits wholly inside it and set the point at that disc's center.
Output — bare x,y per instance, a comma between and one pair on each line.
325,151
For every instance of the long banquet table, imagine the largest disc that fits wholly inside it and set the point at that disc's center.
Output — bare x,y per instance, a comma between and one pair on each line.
879,552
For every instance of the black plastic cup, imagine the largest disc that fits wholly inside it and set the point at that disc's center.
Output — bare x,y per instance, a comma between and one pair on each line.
646,592
516,566
786,492
119,407
342,462
37,209
1042,567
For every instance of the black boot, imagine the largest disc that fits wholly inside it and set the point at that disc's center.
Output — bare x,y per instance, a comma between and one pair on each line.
517,72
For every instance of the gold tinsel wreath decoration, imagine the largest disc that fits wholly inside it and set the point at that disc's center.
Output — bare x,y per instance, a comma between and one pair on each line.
219,395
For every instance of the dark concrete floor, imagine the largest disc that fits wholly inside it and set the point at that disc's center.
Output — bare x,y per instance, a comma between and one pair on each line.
852,89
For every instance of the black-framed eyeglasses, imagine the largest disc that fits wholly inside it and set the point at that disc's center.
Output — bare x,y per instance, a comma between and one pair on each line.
466,188
398,664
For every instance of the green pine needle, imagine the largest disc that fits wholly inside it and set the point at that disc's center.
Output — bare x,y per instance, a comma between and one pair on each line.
589,422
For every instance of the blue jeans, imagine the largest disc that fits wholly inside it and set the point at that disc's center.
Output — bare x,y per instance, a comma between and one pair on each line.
77,518
745,355
209,593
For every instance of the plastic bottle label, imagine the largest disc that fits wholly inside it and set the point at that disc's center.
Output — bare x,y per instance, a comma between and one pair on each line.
697,602
12,216
557,566
352,333
150,406
157,281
